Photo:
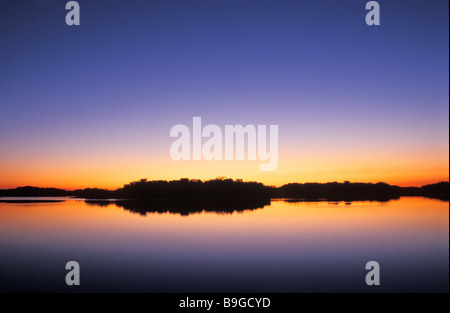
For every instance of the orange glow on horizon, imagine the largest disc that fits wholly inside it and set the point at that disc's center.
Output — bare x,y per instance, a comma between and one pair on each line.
112,177
112,171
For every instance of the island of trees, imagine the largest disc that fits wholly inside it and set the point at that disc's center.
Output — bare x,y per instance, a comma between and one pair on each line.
185,196
229,190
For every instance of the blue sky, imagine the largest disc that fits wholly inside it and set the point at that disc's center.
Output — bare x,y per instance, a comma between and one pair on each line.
133,69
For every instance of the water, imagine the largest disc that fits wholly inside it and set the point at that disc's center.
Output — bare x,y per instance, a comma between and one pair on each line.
283,247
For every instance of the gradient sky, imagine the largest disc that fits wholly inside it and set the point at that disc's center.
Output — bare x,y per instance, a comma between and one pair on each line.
93,105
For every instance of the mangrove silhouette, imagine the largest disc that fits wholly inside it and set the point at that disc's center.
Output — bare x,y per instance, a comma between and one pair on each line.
334,192
28,201
29,191
228,195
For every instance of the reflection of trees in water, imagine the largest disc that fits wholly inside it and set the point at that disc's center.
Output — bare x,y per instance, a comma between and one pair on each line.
100,203
142,207
337,200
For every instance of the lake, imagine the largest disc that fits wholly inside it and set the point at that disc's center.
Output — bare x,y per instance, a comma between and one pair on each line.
286,246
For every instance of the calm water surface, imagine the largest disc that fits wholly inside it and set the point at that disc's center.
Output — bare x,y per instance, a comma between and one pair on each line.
283,247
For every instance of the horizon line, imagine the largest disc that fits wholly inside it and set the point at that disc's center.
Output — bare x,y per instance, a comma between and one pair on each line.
228,178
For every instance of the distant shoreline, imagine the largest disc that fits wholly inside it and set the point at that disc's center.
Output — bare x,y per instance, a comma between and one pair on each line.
231,192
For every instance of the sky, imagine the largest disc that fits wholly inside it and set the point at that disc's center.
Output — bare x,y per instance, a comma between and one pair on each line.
92,105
